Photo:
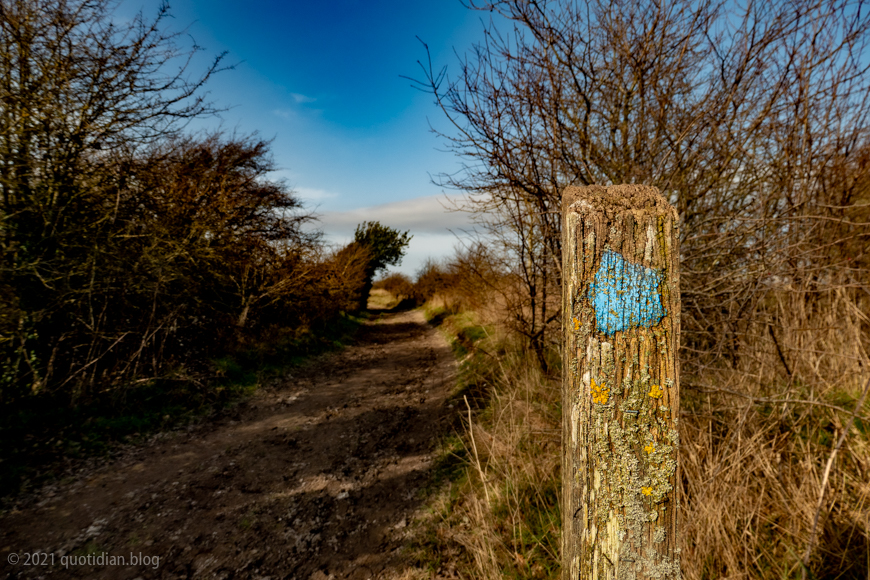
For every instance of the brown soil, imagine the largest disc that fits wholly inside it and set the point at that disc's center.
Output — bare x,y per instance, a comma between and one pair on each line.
316,476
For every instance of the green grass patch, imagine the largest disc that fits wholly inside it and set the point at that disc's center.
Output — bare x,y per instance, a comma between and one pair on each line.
474,346
426,549
449,466
537,523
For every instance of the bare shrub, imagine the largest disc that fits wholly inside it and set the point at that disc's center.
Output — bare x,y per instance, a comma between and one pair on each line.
345,274
130,254
432,279
752,119
397,284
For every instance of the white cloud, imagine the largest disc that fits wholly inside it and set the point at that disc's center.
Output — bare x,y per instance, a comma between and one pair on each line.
300,98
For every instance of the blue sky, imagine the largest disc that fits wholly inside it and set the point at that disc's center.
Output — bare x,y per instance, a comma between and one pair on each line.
323,79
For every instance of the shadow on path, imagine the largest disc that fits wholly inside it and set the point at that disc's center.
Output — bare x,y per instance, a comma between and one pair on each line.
315,477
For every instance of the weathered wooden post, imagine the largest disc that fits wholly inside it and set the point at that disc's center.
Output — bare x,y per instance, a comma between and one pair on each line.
620,385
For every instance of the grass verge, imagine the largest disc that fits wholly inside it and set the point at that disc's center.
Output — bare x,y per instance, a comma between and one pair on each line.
774,466
496,513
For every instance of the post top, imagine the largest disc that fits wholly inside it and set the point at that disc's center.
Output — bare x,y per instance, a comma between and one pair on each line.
615,199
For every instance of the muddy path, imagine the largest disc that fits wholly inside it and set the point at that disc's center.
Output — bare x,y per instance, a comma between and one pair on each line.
318,475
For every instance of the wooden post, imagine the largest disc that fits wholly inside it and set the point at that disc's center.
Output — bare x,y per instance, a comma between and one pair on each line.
620,383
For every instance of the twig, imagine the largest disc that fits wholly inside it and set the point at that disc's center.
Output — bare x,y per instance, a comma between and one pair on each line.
73,375
779,350
703,389
846,429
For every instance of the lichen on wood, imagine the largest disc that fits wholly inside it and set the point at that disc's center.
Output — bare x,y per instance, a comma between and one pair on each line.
620,384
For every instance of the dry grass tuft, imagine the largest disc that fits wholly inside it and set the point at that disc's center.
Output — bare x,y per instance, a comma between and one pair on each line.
775,452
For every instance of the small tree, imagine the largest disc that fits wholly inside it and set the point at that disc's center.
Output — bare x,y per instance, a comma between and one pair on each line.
386,246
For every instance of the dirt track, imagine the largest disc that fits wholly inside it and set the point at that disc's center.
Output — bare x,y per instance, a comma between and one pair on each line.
316,476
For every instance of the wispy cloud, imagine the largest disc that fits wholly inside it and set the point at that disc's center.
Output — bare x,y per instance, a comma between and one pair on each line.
301,99
311,194
419,215
293,112
286,114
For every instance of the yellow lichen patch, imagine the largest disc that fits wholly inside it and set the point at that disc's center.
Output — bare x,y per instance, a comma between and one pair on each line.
655,391
646,490
576,324
649,448
600,393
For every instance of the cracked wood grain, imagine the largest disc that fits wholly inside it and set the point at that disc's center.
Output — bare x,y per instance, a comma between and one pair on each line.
620,388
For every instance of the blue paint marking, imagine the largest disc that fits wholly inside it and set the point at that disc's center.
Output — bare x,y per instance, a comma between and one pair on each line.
625,295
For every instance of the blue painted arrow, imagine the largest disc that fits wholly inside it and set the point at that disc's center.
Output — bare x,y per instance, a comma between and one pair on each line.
625,295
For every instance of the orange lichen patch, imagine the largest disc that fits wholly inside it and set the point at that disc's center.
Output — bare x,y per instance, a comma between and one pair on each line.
655,391
576,324
646,490
600,393
649,448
